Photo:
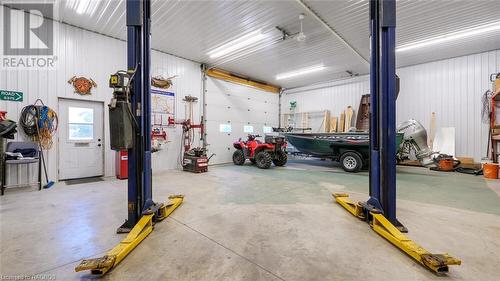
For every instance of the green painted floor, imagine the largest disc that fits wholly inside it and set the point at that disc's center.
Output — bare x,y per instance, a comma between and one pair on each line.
455,190
244,223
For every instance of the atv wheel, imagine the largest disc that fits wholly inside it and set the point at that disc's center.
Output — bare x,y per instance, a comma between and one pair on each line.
280,158
238,157
263,160
351,162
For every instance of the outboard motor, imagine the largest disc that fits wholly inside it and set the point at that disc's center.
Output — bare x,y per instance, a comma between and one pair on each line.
415,139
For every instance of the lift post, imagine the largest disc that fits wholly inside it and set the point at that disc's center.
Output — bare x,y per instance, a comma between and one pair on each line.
374,172
143,213
380,209
139,161
383,108
387,109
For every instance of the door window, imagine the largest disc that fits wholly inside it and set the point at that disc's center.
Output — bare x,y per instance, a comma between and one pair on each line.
81,123
267,129
225,128
248,129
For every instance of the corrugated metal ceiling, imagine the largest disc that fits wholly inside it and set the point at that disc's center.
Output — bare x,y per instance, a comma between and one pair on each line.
191,28
418,20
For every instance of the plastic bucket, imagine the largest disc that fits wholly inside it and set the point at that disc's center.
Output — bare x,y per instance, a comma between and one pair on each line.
490,170
446,165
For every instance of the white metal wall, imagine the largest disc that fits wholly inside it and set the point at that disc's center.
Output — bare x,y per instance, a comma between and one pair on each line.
238,106
451,88
95,56
187,83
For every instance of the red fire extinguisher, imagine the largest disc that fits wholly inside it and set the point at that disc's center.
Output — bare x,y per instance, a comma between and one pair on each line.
121,165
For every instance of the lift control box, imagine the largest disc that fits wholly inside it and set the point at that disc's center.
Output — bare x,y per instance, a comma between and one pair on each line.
120,115
118,80
121,126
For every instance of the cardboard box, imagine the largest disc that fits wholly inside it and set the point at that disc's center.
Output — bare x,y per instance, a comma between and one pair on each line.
468,162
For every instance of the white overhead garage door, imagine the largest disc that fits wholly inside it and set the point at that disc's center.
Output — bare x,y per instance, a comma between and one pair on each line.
233,112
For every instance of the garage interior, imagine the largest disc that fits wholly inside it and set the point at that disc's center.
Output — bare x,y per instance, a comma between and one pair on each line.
236,141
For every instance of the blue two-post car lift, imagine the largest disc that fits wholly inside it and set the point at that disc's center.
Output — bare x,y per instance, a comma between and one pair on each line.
143,212
380,209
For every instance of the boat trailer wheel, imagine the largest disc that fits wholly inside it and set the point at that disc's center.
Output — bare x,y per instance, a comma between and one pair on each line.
351,162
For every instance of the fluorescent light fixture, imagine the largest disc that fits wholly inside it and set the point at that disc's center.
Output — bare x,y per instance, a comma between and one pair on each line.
300,72
237,44
449,37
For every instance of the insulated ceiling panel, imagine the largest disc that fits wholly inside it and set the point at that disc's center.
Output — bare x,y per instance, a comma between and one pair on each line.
190,29
418,20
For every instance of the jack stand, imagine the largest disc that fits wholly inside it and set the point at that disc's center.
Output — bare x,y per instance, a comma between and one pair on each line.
140,231
374,217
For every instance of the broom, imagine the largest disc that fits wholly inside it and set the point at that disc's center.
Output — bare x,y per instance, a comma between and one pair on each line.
49,183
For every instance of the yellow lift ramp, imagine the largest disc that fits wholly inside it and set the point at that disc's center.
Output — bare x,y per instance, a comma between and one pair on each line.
140,231
436,262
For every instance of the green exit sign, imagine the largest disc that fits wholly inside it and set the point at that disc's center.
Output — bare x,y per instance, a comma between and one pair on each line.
11,96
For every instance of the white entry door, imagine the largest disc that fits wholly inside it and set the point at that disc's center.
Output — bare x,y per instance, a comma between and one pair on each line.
81,153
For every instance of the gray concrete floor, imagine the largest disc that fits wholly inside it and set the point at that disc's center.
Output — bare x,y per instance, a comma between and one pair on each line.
242,223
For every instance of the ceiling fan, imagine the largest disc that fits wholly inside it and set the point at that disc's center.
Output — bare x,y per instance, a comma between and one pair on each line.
301,37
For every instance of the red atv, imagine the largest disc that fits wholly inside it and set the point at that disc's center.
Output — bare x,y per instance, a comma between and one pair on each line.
273,150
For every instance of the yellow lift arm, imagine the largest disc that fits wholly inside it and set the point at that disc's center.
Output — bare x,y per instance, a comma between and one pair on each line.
435,262
140,231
